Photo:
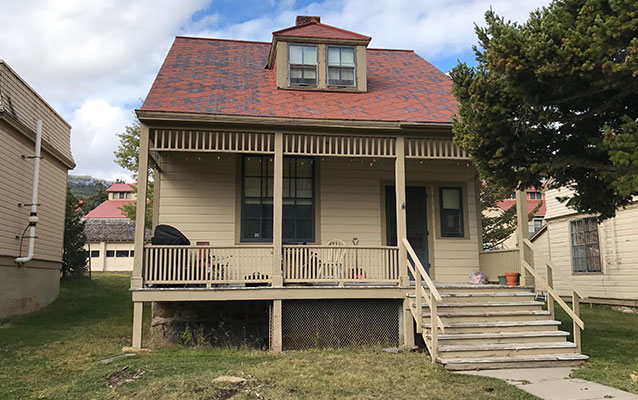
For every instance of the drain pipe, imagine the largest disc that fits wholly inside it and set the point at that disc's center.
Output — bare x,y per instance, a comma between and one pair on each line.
33,215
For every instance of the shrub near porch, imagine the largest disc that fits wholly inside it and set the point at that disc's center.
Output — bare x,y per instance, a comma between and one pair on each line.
54,354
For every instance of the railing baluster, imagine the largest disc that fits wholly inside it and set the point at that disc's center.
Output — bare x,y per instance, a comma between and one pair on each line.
550,284
576,309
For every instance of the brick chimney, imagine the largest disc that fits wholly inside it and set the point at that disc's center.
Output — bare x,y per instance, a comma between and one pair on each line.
306,19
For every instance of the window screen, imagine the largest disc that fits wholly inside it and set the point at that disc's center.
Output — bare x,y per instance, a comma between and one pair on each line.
257,201
303,64
451,199
341,66
298,200
585,249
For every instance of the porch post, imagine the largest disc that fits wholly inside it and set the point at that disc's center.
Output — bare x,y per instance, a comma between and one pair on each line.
276,342
277,212
140,212
522,229
399,177
138,309
156,196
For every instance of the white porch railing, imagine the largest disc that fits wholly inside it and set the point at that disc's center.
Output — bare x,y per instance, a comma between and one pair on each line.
207,265
340,264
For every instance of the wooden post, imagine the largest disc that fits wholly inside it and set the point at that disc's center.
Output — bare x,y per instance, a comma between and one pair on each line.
156,197
407,324
435,328
522,230
276,341
138,309
277,212
418,301
576,308
399,178
140,212
550,284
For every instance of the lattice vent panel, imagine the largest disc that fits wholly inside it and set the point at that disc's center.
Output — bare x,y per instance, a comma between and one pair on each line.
340,323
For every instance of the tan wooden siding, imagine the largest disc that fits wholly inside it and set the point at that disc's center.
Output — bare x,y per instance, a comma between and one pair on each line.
18,99
497,262
555,208
200,197
15,187
197,196
619,256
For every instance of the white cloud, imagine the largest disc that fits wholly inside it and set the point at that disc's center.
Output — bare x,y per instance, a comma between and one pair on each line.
93,60
93,140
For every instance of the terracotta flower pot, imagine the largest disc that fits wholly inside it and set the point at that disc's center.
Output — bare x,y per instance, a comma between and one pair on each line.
512,278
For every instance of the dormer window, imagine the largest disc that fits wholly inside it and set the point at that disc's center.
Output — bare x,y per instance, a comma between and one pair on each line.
341,66
303,64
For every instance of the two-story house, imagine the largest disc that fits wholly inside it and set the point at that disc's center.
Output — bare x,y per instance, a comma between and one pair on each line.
318,185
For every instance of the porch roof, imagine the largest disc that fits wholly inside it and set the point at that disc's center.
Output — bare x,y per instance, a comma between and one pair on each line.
227,77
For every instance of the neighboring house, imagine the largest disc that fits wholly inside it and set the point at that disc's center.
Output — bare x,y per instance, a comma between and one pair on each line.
110,233
34,284
601,259
534,198
314,178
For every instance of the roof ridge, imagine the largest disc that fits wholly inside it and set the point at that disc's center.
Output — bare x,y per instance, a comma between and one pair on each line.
380,49
220,40
364,37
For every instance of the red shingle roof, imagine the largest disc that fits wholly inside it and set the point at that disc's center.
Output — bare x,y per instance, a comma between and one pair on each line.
531,205
215,76
120,187
109,209
319,30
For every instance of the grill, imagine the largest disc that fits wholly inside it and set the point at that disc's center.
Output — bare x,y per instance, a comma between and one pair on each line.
340,323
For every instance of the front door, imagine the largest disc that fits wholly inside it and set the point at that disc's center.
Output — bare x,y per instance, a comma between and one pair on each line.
416,215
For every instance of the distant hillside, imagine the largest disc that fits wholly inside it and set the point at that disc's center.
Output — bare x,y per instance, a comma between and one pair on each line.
84,186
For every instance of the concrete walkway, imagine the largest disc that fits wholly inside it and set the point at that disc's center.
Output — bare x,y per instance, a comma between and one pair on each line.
555,383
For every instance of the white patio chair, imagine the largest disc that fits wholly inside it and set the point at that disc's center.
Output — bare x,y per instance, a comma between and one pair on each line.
333,264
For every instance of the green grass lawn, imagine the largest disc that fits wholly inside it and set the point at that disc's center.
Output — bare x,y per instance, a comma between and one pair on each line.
54,354
610,339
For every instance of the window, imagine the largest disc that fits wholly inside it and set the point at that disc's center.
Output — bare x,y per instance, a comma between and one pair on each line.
535,225
121,195
298,200
512,196
303,64
95,253
128,196
110,253
121,253
341,66
131,253
585,250
298,222
257,195
535,196
451,199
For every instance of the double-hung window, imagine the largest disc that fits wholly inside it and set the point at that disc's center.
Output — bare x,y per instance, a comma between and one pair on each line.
451,212
303,64
341,66
585,249
298,199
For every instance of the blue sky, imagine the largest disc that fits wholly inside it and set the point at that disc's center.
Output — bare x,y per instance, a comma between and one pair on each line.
94,60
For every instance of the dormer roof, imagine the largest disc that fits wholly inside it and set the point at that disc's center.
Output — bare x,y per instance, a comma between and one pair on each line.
120,187
318,30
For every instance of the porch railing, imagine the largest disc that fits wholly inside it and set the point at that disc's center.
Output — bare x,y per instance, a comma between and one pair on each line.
340,264
527,260
207,265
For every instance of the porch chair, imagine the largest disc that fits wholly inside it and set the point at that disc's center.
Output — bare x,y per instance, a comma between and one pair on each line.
333,264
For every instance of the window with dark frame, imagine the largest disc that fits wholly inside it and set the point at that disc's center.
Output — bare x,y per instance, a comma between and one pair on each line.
95,253
341,66
451,203
303,64
110,253
585,246
121,195
535,196
298,221
121,253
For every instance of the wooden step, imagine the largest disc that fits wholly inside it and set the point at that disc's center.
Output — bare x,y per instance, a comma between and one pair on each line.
504,296
528,361
505,349
491,306
489,316
498,326
501,337
478,288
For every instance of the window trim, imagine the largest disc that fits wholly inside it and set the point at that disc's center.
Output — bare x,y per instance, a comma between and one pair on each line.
571,247
290,65
461,210
354,67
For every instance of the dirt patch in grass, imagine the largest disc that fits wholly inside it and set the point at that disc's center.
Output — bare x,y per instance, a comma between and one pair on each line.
124,375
